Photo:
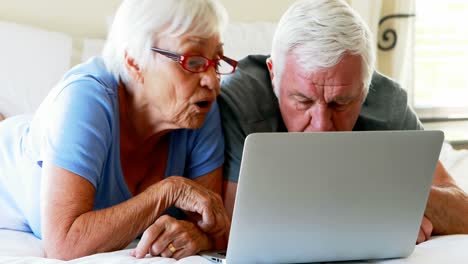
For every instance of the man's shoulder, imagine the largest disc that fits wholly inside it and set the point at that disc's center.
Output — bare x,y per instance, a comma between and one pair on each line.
383,90
250,77
385,106
380,80
248,93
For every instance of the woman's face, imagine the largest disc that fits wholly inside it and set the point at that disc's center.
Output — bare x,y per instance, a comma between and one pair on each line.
182,98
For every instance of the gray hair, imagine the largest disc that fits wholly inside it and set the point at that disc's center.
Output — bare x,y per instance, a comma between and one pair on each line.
138,24
319,33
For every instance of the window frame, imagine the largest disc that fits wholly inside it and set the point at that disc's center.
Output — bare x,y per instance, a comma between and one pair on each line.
434,114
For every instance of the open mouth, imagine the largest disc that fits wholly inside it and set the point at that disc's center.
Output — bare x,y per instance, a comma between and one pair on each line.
203,104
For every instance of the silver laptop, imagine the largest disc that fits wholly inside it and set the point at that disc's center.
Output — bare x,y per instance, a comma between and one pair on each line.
311,197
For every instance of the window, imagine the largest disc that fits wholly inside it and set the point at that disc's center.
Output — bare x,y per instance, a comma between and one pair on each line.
441,59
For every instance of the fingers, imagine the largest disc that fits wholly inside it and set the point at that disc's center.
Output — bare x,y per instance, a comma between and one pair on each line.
208,204
168,253
147,239
427,227
226,220
215,220
161,243
184,252
182,249
425,230
190,243
421,236
177,246
179,239
208,221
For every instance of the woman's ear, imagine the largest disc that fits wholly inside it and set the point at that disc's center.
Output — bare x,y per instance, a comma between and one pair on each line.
132,68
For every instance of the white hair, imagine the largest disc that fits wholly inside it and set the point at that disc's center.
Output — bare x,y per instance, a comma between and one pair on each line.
138,24
319,33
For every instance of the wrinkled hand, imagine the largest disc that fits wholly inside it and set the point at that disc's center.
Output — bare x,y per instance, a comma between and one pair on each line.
193,197
184,236
425,230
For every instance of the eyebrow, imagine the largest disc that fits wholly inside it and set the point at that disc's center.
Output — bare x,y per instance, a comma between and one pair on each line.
302,95
201,41
344,99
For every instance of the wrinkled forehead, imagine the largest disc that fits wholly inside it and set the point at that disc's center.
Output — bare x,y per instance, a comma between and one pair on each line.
212,42
347,71
345,77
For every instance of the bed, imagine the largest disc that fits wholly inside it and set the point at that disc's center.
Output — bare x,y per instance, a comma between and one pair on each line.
24,87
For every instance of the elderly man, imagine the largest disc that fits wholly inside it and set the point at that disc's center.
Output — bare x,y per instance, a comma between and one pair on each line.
320,77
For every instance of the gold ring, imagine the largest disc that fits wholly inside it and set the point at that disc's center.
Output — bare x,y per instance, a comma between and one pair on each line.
172,248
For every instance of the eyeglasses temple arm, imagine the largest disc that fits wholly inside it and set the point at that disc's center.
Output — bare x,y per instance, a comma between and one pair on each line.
230,61
171,55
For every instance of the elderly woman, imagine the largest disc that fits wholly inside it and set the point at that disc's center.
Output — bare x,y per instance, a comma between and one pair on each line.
124,137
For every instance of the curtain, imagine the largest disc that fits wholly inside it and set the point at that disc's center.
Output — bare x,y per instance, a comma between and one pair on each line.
392,23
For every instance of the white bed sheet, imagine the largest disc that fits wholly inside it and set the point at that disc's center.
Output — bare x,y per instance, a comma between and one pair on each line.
17,247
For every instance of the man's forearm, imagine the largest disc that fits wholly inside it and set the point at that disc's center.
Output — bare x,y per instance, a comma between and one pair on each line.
111,228
447,209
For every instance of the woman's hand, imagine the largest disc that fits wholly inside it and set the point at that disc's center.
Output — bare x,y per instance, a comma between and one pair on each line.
171,238
193,197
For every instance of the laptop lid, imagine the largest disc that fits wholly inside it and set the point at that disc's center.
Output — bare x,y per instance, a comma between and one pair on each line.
306,197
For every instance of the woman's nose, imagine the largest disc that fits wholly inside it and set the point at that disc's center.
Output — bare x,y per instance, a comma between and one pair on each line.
211,80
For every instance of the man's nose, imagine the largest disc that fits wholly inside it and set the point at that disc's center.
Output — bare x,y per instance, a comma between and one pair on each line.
321,118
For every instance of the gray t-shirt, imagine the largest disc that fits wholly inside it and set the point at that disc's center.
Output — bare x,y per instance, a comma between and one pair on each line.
248,105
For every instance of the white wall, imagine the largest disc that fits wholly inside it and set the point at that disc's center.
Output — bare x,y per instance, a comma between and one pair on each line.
88,18
79,18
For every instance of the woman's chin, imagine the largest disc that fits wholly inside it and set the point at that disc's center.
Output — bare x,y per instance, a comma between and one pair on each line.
195,121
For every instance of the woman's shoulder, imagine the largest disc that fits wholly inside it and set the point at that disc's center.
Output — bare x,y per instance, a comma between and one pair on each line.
85,94
95,71
86,85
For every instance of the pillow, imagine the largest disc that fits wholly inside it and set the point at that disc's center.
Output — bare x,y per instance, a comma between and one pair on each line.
16,243
32,62
456,163
91,48
240,40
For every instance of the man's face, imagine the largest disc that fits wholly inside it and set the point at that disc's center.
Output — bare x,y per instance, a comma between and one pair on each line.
325,100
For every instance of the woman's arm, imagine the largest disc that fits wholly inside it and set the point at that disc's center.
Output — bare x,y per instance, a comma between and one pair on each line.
214,182
184,236
71,229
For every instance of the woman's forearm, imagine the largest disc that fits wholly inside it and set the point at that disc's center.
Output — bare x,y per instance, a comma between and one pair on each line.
111,228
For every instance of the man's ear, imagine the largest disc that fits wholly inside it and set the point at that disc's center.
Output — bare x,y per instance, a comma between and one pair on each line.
269,63
132,68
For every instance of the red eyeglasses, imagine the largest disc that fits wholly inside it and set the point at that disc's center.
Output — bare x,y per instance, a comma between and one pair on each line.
197,63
